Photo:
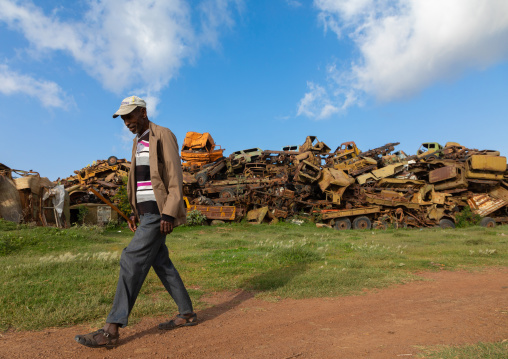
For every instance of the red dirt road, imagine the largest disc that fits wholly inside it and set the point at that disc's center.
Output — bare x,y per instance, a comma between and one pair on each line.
452,308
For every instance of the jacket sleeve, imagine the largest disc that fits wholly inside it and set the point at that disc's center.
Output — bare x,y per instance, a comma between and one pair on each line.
173,168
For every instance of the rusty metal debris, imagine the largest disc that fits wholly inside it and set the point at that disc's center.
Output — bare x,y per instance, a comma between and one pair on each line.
349,188
198,149
31,198
346,188
105,176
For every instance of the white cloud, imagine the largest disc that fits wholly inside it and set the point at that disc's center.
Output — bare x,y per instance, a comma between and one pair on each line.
316,103
47,92
126,44
405,46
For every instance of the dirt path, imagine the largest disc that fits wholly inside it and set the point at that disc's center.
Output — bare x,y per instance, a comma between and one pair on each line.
451,308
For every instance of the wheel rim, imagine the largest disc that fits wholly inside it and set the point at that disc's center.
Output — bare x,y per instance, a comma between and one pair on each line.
342,225
112,160
226,194
362,224
201,180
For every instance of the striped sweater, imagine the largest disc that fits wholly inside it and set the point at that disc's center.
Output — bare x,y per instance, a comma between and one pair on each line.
145,197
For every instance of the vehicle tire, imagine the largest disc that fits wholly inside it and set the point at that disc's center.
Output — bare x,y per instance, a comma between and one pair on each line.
201,178
227,193
362,223
205,201
342,224
487,222
112,160
431,158
446,223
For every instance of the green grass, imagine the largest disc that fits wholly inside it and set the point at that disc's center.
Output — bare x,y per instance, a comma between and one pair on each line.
477,351
54,277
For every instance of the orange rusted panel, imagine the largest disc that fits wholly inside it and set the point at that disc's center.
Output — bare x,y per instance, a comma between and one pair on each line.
483,204
226,213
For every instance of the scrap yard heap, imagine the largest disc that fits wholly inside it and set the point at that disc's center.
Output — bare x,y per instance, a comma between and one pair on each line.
105,176
346,188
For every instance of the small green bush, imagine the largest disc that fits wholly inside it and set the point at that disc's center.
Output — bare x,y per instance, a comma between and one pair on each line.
82,212
466,218
195,218
121,199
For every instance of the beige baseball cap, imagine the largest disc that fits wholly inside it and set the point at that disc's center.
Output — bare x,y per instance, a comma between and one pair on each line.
128,105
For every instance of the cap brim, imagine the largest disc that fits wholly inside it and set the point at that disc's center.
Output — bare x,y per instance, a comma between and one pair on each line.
124,110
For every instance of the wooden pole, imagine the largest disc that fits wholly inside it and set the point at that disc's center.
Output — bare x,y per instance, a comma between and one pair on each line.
101,197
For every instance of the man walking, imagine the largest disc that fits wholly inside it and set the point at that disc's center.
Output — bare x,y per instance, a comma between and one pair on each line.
155,193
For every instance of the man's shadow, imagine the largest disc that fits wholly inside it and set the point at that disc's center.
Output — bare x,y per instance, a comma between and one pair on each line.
264,282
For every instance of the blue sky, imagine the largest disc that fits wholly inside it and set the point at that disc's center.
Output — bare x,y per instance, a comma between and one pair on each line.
262,73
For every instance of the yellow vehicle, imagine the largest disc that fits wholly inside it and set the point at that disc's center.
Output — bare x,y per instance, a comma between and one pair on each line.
199,149
429,151
486,167
376,175
346,151
344,219
225,213
357,165
112,169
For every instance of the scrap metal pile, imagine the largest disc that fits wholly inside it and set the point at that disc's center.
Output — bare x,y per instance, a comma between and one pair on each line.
347,187
31,198
104,176
34,199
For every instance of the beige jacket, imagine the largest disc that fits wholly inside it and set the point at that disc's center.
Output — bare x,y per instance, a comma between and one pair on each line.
165,174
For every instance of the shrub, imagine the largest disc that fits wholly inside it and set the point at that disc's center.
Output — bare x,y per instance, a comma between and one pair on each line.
195,218
121,199
82,212
466,218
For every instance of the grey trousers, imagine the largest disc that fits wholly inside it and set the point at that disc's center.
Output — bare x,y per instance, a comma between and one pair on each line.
146,249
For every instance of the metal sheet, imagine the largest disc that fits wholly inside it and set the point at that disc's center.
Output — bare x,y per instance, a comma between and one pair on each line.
500,193
488,163
215,212
483,204
442,174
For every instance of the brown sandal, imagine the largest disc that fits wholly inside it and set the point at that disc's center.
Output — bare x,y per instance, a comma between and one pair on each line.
181,320
98,339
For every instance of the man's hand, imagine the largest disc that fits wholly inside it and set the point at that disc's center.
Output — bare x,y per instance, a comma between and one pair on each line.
166,227
132,224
